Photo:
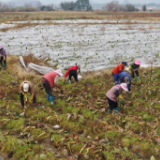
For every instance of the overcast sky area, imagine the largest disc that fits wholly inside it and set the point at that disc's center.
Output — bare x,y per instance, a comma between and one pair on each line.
92,1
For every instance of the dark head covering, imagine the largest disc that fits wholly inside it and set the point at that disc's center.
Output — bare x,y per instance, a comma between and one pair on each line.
125,63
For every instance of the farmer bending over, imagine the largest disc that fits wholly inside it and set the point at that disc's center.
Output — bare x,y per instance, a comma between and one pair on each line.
73,72
49,81
27,90
134,67
124,77
113,94
3,56
118,69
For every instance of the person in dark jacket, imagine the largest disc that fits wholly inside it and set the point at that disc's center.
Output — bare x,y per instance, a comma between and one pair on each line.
27,90
134,67
3,57
124,77
72,72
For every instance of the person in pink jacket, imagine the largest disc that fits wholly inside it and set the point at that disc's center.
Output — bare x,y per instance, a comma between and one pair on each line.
113,94
72,72
49,81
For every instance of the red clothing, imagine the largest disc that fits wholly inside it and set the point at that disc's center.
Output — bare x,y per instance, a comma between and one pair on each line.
118,69
50,77
71,68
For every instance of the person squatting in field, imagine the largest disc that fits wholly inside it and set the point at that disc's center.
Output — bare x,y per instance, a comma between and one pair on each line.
134,68
113,94
3,57
118,69
49,81
27,90
124,77
72,72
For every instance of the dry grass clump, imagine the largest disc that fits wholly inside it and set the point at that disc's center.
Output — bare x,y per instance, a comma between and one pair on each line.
18,70
59,15
97,74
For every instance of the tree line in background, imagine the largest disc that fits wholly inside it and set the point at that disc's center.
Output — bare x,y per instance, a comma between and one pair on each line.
79,5
114,6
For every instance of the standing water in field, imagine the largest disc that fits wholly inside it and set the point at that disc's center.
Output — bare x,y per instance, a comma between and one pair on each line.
94,46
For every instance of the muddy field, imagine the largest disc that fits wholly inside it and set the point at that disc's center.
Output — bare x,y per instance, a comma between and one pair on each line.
95,44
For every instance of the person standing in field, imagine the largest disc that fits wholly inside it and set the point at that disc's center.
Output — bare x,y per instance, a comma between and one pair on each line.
3,57
49,81
27,90
118,69
124,77
72,72
134,68
113,94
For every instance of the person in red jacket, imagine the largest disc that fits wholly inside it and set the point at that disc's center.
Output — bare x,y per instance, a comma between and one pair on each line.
118,69
73,72
49,81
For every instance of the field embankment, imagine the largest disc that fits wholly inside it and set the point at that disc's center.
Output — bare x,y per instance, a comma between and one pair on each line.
61,15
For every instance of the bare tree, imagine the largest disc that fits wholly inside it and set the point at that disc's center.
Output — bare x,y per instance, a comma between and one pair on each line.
112,6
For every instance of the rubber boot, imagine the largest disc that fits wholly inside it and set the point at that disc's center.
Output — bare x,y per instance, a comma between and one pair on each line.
50,98
138,78
109,111
117,109
4,64
69,81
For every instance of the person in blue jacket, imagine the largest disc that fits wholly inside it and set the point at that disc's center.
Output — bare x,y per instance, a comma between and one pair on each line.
124,77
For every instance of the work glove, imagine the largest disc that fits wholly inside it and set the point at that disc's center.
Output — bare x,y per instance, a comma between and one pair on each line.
130,68
120,97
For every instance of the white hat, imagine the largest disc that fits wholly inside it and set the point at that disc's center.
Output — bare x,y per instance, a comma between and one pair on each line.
124,86
59,72
25,87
